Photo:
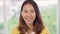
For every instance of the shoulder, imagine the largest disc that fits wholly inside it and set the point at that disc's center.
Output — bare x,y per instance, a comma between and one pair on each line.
45,31
15,31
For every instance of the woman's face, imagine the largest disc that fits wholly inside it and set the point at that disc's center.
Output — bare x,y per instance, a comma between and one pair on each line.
28,14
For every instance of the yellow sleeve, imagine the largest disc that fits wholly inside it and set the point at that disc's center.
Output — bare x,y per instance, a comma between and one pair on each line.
15,31
45,31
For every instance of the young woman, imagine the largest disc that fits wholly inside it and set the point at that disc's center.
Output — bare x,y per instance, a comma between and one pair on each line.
30,21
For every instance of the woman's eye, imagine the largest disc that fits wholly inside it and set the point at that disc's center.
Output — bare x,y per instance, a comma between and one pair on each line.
25,11
32,11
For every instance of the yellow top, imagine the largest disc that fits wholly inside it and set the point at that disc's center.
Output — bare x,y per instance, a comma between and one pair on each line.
44,31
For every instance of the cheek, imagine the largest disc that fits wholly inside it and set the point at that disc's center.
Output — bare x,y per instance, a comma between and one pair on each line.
34,16
23,15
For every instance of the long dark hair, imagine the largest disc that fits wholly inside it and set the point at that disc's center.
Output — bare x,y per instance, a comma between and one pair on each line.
37,25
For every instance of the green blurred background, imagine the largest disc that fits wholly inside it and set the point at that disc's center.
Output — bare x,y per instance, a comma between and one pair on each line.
49,18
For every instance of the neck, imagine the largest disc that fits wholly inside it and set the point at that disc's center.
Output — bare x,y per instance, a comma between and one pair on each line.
30,27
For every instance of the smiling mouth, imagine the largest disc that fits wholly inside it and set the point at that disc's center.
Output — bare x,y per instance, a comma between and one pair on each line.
29,19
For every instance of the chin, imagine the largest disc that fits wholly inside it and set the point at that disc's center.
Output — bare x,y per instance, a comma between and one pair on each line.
29,22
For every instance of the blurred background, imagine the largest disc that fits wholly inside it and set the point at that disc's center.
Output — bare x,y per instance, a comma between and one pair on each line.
10,10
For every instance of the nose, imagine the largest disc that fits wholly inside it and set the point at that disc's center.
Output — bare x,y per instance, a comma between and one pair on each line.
29,14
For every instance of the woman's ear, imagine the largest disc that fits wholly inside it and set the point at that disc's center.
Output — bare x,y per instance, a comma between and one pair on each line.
21,13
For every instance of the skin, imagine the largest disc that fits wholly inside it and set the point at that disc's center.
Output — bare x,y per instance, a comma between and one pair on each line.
29,15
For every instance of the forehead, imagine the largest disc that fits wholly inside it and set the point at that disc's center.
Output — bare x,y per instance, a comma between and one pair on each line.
28,6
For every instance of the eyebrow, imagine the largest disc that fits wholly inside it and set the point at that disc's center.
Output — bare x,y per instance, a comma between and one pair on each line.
26,9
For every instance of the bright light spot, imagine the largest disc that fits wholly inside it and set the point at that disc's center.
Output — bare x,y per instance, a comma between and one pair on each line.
45,3
1,3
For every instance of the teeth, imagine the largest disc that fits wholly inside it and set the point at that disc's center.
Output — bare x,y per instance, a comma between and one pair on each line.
28,18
